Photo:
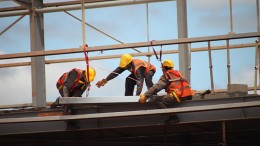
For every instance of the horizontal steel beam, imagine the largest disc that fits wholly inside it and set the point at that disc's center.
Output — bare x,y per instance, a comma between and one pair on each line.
78,7
241,114
91,100
132,113
131,45
173,51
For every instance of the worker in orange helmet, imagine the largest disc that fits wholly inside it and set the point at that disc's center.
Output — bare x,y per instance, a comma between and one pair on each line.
140,71
74,83
177,88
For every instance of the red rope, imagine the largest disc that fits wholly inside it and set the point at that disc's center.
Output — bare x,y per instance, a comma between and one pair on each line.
86,59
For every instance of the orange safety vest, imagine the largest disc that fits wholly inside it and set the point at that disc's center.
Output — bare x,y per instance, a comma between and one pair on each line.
178,84
139,63
63,77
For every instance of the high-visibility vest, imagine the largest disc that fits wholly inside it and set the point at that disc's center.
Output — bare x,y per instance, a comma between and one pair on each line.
63,77
141,63
178,85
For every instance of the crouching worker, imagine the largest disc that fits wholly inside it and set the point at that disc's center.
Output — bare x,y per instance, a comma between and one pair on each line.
177,88
74,83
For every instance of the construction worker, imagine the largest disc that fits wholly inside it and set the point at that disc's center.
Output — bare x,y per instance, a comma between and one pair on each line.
74,83
140,71
177,88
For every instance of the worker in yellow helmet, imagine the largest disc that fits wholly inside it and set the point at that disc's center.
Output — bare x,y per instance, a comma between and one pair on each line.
140,71
177,88
74,83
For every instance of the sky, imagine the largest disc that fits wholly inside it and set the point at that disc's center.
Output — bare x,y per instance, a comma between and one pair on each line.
128,24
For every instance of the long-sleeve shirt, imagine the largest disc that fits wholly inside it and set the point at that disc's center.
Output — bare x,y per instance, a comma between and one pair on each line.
69,82
161,84
140,74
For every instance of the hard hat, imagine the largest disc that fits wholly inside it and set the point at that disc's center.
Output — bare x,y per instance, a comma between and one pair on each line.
168,63
92,74
125,60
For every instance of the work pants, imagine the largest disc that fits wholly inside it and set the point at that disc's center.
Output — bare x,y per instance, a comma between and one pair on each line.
164,101
130,83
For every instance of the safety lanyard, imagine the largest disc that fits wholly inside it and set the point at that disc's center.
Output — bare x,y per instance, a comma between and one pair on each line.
87,63
159,59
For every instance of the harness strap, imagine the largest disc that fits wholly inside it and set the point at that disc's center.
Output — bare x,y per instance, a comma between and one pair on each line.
174,95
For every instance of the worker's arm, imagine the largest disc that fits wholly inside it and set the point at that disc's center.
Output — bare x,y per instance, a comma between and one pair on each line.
140,72
111,76
161,84
68,82
115,73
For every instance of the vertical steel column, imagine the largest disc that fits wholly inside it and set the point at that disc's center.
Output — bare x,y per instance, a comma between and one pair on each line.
231,17
224,143
189,63
256,66
183,33
210,67
147,27
37,63
228,63
258,30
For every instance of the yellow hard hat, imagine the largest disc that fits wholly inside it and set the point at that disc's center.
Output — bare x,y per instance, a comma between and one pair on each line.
125,60
92,74
168,63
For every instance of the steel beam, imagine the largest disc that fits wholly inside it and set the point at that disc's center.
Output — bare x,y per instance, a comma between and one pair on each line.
132,113
37,63
100,116
130,45
184,59
173,51
91,100
78,7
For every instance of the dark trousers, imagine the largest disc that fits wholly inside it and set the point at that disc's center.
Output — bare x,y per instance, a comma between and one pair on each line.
130,82
167,100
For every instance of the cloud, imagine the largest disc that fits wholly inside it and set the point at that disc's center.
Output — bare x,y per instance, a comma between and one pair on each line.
245,75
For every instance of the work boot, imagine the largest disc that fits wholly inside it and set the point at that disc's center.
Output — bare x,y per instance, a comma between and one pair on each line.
172,119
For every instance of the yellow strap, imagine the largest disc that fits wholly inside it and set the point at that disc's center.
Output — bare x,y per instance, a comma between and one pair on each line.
175,96
60,87
81,82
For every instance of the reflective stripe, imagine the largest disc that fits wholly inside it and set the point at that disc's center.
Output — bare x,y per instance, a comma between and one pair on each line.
174,80
60,87
173,94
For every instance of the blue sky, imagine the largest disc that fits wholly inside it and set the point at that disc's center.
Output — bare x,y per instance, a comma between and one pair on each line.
128,24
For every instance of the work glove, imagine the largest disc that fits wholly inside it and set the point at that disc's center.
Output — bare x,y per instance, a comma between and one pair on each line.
142,98
101,83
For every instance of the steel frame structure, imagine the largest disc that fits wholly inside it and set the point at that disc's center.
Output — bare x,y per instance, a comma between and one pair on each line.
217,119
37,9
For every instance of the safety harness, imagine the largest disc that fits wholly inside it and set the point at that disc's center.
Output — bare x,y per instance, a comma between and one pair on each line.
76,81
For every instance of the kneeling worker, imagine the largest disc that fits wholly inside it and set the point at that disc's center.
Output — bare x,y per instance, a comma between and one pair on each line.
177,88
